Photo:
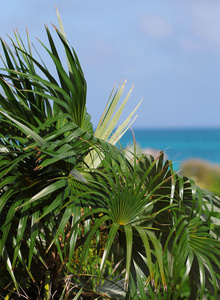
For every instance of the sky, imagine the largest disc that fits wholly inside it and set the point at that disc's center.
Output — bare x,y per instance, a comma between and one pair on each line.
169,51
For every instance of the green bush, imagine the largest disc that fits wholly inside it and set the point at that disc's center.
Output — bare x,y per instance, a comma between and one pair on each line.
206,175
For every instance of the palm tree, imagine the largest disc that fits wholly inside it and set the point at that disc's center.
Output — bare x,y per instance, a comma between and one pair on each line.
46,136
79,219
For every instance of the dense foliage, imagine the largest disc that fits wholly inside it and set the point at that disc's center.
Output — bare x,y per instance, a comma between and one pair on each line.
78,218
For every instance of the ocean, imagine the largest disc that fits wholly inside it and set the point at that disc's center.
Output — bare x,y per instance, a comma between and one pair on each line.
179,144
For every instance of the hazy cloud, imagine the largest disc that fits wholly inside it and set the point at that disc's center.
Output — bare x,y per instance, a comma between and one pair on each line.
190,45
205,21
155,26
104,49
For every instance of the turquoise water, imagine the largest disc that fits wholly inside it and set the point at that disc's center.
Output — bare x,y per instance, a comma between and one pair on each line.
179,144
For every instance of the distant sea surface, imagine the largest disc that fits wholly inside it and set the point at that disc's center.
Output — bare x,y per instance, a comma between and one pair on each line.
179,144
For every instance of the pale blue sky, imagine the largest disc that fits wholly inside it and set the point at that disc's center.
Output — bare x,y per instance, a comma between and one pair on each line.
169,50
